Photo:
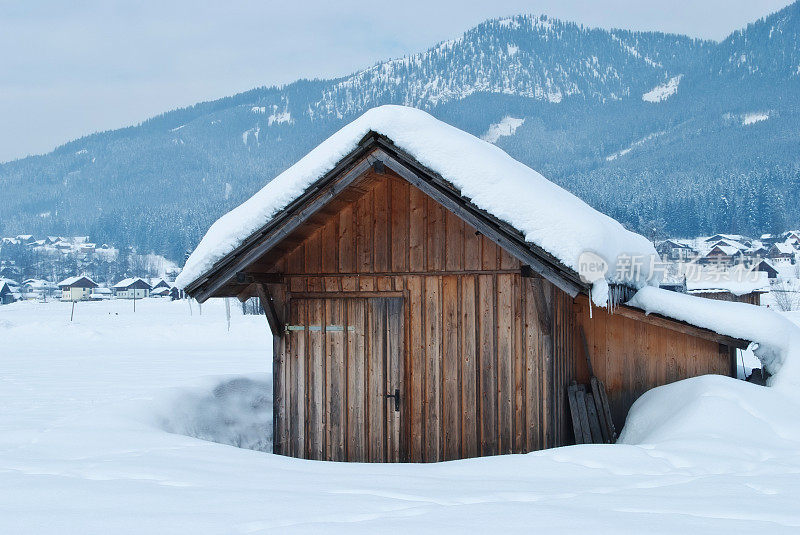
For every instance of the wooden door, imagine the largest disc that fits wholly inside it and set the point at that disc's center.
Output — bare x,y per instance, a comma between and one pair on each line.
345,391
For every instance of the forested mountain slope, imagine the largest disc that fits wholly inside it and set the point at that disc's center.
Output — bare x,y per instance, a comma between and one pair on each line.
664,132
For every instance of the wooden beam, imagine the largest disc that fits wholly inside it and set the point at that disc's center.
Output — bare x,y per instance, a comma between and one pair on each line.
543,301
343,295
734,364
269,309
680,326
422,273
245,277
543,305
585,346
247,293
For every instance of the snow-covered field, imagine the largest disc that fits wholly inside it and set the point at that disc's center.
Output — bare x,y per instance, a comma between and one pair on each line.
83,446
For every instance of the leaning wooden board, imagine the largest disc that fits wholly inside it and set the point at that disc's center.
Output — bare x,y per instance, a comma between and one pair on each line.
591,419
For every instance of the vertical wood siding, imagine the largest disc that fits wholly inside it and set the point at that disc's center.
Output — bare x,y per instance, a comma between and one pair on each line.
632,356
344,356
476,369
487,354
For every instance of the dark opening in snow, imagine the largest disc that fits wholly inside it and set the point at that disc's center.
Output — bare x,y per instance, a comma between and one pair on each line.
237,412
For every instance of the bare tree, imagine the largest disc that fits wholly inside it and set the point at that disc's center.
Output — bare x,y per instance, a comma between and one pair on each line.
786,295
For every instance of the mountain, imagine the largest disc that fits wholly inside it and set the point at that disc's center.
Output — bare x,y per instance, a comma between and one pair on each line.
666,133
766,49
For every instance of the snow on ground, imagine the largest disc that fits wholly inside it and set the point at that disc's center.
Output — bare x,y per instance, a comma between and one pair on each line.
279,117
662,92
635,144
506,127
753,118
83,446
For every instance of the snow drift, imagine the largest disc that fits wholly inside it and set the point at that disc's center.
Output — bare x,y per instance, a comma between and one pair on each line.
713,408
80,451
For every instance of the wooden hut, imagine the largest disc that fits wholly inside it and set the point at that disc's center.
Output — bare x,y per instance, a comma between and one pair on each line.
410,323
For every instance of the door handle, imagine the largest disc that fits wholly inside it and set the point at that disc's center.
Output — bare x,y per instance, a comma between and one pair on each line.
396,397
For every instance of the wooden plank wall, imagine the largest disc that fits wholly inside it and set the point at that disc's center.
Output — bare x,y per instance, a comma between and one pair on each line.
632,356
342,357
480,372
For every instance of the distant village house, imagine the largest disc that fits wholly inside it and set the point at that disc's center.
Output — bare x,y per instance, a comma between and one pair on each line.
671,250
76,288
101,293
782,253
9,292
132,288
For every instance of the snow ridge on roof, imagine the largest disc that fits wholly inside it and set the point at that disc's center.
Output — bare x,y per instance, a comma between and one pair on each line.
784,248
124,283
738,281
726,249
547,215
69,281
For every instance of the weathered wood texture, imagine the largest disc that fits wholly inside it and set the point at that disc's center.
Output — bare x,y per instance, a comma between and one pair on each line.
632,356
485,355
478,378
343,356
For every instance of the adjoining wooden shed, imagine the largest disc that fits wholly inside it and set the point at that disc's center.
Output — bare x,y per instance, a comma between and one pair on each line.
414,319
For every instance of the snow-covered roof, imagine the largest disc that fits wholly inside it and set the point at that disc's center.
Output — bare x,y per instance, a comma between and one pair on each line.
736,281
125,283
547,215
787,271
726,249
784,248
679,244
732,243
735,237
70,281
37,283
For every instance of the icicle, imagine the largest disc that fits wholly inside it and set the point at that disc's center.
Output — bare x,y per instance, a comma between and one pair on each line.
590,302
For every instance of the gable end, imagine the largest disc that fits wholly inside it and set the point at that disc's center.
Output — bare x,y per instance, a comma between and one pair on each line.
378,152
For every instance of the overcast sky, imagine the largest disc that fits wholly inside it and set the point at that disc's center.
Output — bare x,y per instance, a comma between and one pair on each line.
72,68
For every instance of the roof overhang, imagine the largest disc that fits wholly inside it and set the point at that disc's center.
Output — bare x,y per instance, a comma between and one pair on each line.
680,326
375,152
